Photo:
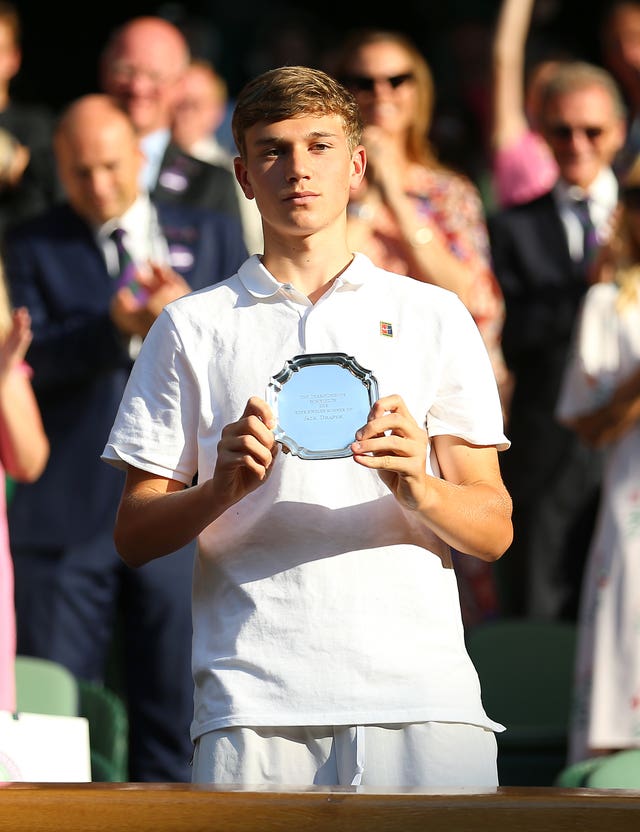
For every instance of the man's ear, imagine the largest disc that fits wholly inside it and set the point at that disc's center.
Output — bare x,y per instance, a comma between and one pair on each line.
358,166
241,175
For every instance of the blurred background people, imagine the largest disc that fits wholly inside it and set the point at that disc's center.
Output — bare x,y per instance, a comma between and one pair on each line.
28,180
142,66
542,253
619,35
523,166
200,110
89,303
24,450
600,400
414,216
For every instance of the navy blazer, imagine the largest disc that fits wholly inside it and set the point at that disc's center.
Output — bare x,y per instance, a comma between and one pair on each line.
543,289
185,180
542,286
80,362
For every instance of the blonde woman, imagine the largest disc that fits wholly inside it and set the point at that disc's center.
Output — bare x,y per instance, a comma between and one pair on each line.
600,399
24,451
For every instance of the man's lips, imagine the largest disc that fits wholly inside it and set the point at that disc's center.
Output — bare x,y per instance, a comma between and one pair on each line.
300,196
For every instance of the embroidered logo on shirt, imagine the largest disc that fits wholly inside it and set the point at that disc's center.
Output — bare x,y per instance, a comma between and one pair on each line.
386,329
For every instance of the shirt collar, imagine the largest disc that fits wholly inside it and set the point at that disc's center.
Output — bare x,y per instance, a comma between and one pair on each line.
260,283
154,146
603,191
135,217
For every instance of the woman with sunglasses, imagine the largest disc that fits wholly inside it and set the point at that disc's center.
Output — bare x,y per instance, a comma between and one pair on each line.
600,400
414,216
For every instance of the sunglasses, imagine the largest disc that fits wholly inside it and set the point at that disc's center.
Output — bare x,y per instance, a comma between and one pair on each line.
364,83
564,132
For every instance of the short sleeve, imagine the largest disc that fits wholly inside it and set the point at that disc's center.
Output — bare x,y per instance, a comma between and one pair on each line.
156,425
467,403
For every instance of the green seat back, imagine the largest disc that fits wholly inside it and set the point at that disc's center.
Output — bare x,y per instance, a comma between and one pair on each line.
575,775
617,771
526,676
108,731
45,687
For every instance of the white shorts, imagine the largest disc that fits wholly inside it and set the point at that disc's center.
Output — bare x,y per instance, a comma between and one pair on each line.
427,754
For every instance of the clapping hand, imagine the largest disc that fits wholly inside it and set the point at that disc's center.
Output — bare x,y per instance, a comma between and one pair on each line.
16,343
134,310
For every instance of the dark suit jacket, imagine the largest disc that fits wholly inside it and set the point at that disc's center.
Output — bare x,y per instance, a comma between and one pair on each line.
185,180
552,477
79,360
543,289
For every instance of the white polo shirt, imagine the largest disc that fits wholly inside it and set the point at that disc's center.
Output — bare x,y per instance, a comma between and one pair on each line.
317,599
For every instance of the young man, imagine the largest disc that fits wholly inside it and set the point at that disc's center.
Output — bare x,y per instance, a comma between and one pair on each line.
326,613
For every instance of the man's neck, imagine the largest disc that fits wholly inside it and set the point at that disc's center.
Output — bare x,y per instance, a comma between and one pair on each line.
312,269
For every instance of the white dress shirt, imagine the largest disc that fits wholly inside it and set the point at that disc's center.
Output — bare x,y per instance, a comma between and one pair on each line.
602,196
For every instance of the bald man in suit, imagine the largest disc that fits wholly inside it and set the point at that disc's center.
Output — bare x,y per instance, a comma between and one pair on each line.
63,265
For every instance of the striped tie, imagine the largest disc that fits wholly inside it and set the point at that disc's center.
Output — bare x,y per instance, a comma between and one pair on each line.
126,267
590,239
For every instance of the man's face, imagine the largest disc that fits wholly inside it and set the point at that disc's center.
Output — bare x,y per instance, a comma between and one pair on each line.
99,167
584,132
300,172
200,109
143,73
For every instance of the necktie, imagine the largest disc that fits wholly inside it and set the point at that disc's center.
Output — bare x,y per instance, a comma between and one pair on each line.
126,267
589,238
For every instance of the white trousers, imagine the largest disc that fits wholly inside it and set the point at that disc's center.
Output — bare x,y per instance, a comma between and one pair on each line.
426,754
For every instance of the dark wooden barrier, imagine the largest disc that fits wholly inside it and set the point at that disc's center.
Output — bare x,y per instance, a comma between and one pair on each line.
112,807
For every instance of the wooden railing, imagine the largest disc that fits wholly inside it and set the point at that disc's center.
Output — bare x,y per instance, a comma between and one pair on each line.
93,807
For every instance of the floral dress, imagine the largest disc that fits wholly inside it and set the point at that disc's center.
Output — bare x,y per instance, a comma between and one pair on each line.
606,711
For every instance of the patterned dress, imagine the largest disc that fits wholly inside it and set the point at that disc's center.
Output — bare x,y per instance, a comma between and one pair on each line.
606,712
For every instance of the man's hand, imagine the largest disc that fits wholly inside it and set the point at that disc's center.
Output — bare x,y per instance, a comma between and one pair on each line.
246,453
394,444
134,310
467,506
17,341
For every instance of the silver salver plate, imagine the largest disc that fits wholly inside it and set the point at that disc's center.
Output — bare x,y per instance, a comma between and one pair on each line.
319,401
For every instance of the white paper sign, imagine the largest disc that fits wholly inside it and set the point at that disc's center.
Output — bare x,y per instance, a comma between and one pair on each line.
39,748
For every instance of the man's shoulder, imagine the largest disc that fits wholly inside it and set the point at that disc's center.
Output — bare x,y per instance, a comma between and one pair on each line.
410,299
392,283
191,166
186,214
58,221
220,295
30,123
522,212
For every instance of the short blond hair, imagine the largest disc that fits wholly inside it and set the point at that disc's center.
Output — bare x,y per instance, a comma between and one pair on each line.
571,76
291,91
